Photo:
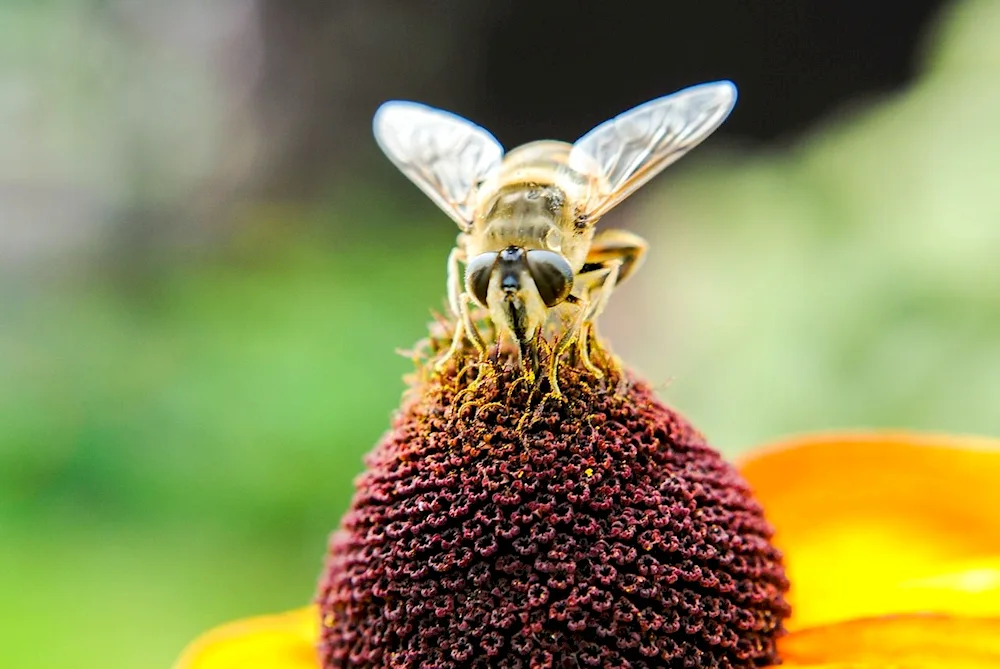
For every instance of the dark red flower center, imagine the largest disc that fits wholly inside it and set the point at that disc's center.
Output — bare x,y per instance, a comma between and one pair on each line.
497,528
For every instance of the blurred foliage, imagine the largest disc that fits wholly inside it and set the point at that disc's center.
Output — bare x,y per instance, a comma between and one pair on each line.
174,448
850,280
177,440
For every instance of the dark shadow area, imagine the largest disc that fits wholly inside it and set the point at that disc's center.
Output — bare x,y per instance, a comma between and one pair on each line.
528,70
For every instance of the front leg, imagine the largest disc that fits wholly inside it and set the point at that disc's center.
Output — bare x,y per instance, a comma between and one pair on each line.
458,302
456,256
614,255
598,285
602,282
464,326
608,248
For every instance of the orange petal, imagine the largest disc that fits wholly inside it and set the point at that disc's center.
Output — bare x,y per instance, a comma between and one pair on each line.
913,642
881,524
282,641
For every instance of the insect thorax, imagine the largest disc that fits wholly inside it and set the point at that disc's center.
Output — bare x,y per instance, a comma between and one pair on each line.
533,202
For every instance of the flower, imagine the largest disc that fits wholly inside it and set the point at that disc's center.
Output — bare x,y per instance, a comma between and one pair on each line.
494,527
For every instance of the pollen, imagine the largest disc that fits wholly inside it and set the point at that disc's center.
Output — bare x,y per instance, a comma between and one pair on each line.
496,528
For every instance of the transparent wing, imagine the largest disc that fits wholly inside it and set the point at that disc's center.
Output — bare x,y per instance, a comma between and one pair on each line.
443,154
635,146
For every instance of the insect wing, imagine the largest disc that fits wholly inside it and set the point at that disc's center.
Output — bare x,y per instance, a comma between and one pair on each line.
443,154
635,146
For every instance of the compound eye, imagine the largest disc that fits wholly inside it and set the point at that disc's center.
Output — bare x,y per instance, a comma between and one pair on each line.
552,274
477,276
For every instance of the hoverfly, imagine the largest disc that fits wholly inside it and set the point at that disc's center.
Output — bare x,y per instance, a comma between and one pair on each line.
527,218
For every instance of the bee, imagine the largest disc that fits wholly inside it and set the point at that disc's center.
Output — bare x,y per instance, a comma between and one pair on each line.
532,257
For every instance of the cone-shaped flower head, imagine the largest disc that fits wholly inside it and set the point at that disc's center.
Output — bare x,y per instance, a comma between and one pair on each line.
495,527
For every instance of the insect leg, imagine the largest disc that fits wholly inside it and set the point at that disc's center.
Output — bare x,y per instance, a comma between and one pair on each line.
604,283
464,327
598,283
456,343
458,303
614,255
455,281
470,327
565,340
583,349
620,245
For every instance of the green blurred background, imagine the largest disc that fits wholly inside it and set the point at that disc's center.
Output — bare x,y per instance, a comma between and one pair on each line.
206,270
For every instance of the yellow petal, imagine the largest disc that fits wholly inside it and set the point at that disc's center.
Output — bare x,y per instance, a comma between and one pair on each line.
878,524
282,641
910,642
